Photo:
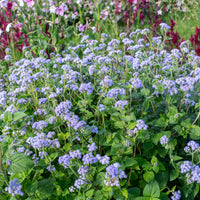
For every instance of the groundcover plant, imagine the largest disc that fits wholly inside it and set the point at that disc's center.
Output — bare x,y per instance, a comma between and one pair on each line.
108,119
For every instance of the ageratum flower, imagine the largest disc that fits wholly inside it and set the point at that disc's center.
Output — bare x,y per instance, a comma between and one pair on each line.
115,92
121,103
192,146
52,120
176,195
42,101
64,160
164,140
39,125
82,170
92,147
113,174
14,188
51,168
63,108
75,154
103,159
101,107
140,126
106,82
136,83
164,26
186,167
82,180
94,129
86,87
89,159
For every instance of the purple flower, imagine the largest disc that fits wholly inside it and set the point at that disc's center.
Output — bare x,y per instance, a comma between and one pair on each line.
39,125
113,174
94,129
86,87
80,181
164,26
63,108
81,28
101,107
64,160
89,159
60,10
21,101
140,126
51,168
106,82
120,104
42,101
75,154
193,145
52,120
186,167
136,83
176,195
82,170
104,159
92,147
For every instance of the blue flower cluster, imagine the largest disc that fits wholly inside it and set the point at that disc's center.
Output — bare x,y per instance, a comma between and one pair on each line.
176,195
14,188
113,175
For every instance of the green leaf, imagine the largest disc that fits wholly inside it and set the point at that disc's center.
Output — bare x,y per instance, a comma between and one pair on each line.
90,193
2,180
196,190
145,198
20,163
195,132
145,92
148,176
131,125
152,189
130,117
186,123
7,117
100,179
162,178
133,192
173,175
18,115
125,193
161,122
119,124
130,163
98,195
45,187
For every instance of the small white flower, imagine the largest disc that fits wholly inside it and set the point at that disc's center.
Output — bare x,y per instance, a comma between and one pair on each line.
21,2
1,32
160,12
3,3
8,27
52,9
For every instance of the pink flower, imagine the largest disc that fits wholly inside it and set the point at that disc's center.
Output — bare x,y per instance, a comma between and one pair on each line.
60,10
56,21
18,25
30,3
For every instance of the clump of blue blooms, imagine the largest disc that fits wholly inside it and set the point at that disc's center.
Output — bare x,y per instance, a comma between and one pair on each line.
14,188
164,140
176,195
113,175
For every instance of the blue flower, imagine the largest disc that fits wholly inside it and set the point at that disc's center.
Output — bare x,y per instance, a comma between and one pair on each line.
14,188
